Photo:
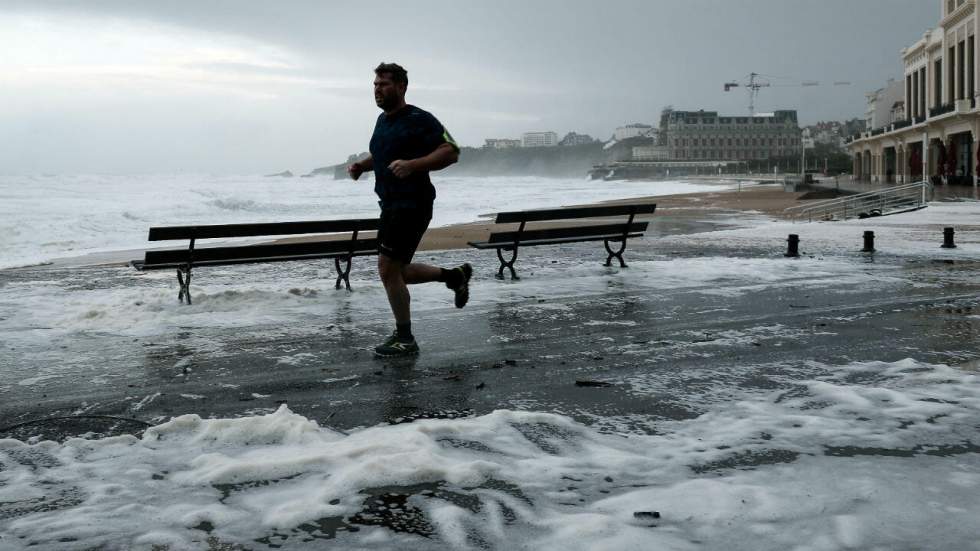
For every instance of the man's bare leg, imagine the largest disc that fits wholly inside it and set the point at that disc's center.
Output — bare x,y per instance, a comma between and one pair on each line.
420,273
401,343
392,274
396,276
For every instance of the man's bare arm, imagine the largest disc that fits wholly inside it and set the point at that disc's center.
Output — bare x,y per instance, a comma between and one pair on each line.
443,156
355,169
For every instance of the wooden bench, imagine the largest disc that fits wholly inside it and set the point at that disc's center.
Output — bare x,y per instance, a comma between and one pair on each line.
184,260
607,233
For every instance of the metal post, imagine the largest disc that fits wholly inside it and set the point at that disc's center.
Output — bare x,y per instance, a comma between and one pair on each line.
803,162
793,246
948,234
869,242
925,156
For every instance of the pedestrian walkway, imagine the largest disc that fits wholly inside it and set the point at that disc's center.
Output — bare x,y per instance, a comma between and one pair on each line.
939,193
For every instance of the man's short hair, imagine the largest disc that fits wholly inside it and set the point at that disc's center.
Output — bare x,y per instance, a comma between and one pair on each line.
396,72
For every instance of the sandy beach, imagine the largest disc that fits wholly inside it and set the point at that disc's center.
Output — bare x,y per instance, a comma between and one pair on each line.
680,210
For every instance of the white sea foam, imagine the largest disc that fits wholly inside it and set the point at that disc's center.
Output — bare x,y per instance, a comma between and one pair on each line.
223,298
867,455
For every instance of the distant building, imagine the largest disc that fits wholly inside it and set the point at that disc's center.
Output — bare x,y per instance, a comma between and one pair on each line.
828,137
576,139
829,133
633,131
885,105
706,136
501,143
539,139
651,153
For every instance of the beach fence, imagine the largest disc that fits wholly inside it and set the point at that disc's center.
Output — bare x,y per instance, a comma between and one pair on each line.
891,200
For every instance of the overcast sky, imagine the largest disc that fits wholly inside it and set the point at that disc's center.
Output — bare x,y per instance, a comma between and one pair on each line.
237,86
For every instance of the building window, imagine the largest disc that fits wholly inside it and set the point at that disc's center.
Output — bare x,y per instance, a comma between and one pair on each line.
922,93
961,70
915,94
951,74
971,88
908,97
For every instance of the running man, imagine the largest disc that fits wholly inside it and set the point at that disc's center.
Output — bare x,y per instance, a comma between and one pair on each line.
407,144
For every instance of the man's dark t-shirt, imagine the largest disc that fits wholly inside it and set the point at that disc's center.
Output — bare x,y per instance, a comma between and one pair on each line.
406,134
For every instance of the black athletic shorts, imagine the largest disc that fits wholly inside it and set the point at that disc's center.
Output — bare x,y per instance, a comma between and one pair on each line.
401,232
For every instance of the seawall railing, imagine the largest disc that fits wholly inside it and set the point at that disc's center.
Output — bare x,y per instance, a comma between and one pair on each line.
881,202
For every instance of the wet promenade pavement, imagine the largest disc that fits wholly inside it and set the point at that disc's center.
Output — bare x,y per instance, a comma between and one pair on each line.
617,349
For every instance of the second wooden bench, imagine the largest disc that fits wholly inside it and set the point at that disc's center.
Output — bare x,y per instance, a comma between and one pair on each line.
607,233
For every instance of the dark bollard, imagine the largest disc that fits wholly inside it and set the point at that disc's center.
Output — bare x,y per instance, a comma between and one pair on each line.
793,246
948,238
869,242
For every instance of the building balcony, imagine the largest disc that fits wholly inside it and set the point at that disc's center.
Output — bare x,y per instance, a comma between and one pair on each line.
901,124
941,109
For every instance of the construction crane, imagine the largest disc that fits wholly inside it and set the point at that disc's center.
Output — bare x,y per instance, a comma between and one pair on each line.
756,82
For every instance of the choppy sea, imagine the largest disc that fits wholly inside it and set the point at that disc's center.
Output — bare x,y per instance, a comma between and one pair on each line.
44,217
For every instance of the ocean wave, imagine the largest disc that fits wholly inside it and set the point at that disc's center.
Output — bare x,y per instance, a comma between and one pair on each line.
235,204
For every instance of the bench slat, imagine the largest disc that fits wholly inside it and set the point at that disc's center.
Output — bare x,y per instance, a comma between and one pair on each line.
557,241
253,230
259,253
575,212
140,265
567,233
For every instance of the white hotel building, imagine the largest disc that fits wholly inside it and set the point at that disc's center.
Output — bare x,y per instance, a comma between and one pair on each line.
539,139
935,124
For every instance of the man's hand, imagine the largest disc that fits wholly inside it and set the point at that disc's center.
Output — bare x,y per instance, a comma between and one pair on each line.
401,169
354,170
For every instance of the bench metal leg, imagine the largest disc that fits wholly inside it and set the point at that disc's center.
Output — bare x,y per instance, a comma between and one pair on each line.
617,254
184,279
507,264
343,274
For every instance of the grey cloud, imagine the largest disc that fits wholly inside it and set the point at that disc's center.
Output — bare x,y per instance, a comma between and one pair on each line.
583,66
